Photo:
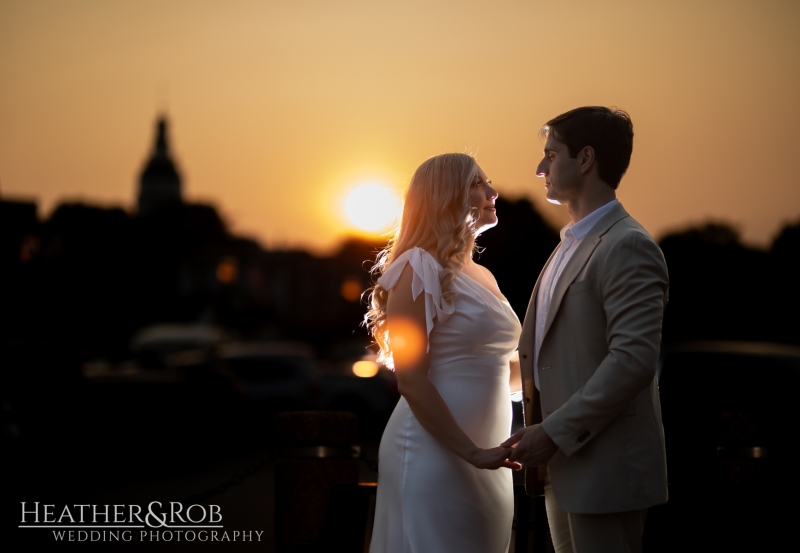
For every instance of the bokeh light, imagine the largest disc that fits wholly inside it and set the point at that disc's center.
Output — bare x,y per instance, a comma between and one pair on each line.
351,288
365,369
228,270
407,340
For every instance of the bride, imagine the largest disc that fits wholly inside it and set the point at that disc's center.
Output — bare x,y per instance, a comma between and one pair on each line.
441,321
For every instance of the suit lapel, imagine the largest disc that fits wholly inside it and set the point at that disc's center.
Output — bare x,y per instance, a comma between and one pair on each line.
568,275
579,259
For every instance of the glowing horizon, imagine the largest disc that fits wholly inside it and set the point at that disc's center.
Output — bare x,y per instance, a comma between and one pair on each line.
277,109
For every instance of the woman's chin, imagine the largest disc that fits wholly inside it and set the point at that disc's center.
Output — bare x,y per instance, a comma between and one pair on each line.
483,226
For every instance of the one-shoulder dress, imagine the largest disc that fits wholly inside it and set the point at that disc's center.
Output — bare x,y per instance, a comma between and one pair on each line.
429,499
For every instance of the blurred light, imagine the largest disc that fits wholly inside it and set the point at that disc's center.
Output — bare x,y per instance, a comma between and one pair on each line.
372,207
407,340
351,289
28,248
228,270
365,369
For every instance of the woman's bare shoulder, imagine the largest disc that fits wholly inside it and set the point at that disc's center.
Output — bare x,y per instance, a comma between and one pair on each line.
486,272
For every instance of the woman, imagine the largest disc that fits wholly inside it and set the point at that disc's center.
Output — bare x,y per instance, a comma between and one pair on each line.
441,321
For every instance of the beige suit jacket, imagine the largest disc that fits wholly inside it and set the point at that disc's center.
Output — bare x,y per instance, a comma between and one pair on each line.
597,368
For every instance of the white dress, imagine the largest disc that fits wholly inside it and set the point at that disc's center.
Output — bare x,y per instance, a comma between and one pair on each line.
429,499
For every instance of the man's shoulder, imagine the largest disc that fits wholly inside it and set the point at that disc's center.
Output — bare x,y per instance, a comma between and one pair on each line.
628,244
628,239
628,228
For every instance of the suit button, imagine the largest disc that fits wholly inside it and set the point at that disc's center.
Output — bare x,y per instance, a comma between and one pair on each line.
524,355
527,400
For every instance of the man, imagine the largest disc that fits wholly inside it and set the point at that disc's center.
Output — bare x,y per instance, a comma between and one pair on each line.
590,345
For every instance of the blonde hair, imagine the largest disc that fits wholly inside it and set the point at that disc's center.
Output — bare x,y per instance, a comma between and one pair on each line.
436,217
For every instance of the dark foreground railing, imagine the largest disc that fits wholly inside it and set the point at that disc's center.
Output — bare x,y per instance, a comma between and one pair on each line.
320,505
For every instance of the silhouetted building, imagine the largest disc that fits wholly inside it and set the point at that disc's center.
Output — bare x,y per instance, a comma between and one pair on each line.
160,183
18,228
19,244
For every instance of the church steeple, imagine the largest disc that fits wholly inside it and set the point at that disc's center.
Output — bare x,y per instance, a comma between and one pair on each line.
161,149
160,182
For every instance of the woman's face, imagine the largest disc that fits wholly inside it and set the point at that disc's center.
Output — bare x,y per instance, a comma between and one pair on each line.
481,200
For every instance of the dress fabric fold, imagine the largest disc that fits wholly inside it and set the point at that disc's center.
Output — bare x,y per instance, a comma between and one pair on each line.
426,279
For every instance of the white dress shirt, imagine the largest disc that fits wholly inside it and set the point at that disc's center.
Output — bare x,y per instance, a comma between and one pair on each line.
571,236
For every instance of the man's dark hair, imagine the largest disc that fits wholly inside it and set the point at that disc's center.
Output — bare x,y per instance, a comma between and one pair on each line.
608,131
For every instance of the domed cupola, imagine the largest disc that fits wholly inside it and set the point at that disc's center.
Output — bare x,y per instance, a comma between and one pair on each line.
160,183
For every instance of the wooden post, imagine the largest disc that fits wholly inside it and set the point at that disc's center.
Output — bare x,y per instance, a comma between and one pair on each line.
317,452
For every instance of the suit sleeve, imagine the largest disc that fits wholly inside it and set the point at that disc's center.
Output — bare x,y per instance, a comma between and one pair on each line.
633,286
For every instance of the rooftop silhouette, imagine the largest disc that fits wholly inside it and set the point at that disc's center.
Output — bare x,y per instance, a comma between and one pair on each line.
160,184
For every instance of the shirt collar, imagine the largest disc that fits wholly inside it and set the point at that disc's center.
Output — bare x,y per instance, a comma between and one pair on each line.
582,227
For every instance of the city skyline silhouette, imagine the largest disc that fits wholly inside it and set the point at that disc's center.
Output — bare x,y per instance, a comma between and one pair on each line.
277,111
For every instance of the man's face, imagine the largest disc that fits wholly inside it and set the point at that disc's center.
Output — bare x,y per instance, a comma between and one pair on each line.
562,176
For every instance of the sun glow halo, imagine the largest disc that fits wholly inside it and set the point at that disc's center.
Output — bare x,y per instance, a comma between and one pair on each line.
372,207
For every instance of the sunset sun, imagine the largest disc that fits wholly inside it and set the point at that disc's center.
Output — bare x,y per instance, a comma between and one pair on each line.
372,208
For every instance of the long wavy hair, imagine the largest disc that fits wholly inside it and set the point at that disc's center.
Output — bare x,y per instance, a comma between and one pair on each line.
437,217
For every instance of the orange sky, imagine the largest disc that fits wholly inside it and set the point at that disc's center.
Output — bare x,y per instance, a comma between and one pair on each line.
278,107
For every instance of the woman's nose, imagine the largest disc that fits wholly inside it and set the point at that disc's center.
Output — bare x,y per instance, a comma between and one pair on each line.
491,193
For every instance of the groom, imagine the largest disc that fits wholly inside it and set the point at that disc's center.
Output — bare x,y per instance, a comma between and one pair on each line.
590,345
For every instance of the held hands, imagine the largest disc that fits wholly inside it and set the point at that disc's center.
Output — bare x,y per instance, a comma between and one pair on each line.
531,446
492,459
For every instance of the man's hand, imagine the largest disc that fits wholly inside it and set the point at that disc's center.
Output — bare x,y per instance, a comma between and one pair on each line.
532,446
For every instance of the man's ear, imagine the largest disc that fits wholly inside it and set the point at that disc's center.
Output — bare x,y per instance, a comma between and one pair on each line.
586,159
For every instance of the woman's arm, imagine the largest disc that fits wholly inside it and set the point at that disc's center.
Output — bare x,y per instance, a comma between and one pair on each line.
407,339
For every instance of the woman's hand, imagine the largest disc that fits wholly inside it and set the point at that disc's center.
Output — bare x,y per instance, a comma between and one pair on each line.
492,459
531,446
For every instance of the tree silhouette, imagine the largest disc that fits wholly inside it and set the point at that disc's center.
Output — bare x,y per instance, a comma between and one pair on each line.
718,287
